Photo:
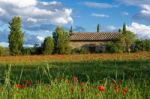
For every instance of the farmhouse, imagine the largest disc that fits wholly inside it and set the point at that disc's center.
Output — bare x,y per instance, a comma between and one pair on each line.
93,41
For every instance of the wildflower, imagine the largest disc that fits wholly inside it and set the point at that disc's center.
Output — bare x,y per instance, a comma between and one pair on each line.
101,88
120,81
97,94
67,81
82,83
28,82
19,86
82,90
124,91
75,79
72,89
116,89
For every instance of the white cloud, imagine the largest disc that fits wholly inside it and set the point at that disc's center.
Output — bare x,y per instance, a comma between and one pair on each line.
145,12
100,15
19,3
37,17
40,38
35,11
4,44
143,31
144,6
98,5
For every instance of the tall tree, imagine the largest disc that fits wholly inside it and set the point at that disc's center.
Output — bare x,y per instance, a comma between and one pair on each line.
127,38
61,41
124,29
119,30
48,46
71,29
16,36
98,28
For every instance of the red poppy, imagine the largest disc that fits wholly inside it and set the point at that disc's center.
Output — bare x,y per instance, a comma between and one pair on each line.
28,82
97,94
82,83
68,81
120,81
124,91
101,88
18,85
116,89
82,90
75,79
72,89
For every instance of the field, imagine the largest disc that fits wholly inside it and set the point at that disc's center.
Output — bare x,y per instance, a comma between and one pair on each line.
89,76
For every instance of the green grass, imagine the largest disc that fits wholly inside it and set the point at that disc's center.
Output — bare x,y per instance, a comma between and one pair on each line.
135,76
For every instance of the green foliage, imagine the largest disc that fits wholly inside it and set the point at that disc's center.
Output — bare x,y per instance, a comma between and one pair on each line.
61,41
114,47
142,45
82,50
16,36
127,39
48,46
98,28
27,51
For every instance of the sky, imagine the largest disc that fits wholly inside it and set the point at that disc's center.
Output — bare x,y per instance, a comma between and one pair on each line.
40,17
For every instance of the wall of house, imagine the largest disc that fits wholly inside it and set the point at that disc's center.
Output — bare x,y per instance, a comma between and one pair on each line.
86,44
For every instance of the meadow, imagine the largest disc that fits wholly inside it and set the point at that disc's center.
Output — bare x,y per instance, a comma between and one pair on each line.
87,76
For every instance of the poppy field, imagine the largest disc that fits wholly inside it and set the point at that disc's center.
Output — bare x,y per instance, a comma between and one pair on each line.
95,76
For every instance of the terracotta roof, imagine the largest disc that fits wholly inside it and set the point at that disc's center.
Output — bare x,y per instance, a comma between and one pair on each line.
94,36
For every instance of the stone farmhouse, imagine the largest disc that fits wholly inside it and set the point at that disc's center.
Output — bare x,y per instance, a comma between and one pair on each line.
93,41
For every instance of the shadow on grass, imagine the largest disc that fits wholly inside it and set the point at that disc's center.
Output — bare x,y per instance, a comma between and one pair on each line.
91,71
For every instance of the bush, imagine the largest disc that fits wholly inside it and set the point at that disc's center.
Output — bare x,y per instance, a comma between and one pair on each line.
142,45
84,51
27,51
114,47
80,51
48,46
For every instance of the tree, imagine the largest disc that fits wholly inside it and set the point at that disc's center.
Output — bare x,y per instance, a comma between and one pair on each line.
119,30
124,28
16,36
127,39
98,28
48,46
71,29
61,41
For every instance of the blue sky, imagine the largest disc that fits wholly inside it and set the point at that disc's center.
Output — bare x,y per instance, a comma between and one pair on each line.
40,17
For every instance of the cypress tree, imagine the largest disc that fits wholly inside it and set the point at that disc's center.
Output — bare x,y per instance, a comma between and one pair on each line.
98,28
16,36
124,28
71,29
